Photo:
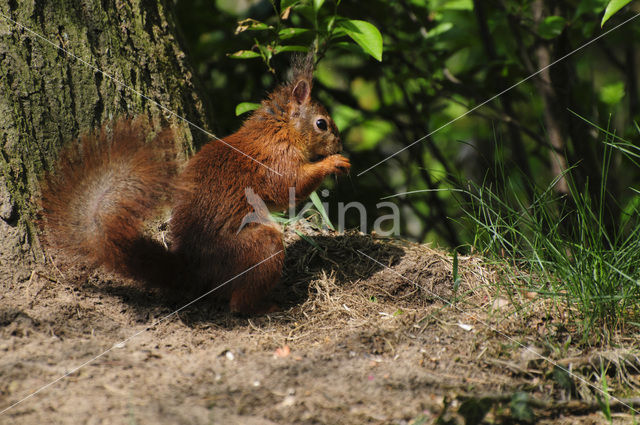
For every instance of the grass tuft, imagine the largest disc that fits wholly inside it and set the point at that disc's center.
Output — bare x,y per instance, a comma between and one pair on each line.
567,244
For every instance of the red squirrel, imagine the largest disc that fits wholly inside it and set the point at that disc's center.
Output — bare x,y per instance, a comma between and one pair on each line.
107,185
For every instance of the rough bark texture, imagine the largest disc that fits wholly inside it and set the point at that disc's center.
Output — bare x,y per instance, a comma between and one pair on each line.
47,97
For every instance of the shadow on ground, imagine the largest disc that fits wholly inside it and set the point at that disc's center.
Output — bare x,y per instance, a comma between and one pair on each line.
307,259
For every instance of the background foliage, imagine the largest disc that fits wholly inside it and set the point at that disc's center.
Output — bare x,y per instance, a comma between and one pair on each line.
440,60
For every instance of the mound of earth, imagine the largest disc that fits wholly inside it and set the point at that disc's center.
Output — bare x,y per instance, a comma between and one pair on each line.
372,331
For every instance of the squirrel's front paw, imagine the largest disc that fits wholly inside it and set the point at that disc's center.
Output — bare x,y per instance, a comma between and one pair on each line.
338,164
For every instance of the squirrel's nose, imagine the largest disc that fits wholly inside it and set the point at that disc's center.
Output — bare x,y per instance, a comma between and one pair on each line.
338,143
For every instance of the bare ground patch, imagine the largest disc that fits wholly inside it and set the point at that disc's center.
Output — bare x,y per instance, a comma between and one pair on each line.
357,342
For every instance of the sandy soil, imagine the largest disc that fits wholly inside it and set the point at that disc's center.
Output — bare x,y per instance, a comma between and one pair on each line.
356,343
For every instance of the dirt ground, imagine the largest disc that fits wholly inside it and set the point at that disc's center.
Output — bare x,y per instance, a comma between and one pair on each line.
358,341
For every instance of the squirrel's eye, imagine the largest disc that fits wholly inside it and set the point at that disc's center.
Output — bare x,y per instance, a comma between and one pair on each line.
321,124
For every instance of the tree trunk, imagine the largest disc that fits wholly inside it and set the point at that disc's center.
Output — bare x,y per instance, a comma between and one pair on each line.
128,56
557,136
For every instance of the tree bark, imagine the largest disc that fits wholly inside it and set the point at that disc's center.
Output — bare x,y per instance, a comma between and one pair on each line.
128,55
551,115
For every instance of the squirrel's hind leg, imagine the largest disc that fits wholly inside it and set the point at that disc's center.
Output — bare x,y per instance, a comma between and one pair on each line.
259,244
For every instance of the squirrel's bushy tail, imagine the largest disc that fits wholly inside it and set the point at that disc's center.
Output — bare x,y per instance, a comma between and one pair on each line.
103,189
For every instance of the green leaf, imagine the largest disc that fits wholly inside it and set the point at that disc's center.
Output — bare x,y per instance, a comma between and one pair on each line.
251,25
340,32
589,6
439,29
244,54
365,35
280,49
329,23
562,377
243,107
551,27
278,217
457,5
612,94
348,46
612,8
317,4
266,52
318,204
291,32
520,408
288,3
306,11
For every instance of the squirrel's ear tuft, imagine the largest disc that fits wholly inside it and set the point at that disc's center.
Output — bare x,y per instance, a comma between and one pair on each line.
302,77
302,66
301,92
